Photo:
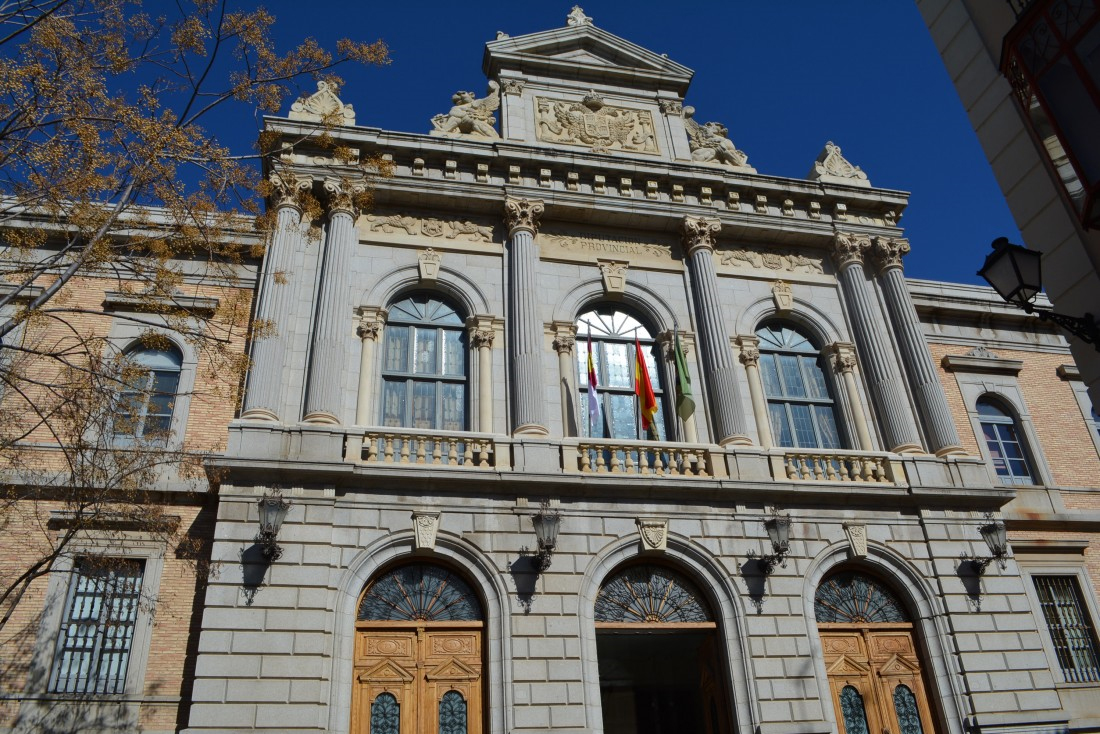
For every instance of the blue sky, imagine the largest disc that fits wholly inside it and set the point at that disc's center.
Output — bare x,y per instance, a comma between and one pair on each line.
784,77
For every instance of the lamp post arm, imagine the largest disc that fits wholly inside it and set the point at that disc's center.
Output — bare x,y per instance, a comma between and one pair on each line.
1082,327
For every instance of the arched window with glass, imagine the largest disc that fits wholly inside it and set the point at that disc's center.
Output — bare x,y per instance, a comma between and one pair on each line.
424,365
146,401
612,332
1004,442
801,409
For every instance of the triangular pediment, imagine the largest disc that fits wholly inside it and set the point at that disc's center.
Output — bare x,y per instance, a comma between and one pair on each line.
898,665
453,669
585,52
386,671
845,665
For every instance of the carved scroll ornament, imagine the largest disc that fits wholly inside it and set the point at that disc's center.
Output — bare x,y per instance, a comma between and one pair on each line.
523,214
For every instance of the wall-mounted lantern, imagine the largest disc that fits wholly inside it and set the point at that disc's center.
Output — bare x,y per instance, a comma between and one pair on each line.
779,533
996,538
547,522
273,509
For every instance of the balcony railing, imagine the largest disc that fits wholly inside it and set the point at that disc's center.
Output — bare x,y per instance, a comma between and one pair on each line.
834,466
614,456
432,448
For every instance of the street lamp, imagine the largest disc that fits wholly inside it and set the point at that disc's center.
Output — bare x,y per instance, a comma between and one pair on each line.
779,533
273,509
996,538
1015,272
547,521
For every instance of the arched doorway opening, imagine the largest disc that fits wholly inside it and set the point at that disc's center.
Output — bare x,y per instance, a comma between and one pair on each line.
876,679
418,654
657,643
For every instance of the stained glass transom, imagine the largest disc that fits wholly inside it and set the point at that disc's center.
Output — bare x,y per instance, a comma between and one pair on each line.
452,713
421,593
905,706
851,707
854,597
650,594
385,715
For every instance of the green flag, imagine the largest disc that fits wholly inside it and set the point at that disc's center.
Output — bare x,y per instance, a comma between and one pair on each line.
685,404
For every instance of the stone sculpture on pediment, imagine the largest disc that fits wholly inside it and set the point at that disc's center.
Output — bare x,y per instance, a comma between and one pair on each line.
710,143
776,260
470,115
832,167
417,227
323,106
595,124
577,17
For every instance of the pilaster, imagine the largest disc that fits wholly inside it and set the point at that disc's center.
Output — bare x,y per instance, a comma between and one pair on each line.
843,358
750,357
565,341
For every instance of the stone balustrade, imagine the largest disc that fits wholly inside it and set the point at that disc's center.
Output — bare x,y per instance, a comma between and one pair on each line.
833,466
433,448
620,456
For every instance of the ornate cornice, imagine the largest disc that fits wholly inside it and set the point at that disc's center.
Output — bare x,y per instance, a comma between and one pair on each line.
849,248
522,214
342,195
889,251
700,232
286,187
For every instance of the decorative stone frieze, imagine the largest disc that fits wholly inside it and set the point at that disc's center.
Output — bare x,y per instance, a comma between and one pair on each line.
469,115
428,263
857,539
832,167
849,248
775,260
594,124
522,214
425,529
782,296
417,227
287,187
654,534
889,251
323,106
700,232
614,275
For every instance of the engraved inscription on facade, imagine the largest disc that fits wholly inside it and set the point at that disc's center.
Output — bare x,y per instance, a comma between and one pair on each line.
607,245
777,260
430,227
596,125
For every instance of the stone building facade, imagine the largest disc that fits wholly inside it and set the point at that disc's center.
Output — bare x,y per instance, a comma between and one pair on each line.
459,364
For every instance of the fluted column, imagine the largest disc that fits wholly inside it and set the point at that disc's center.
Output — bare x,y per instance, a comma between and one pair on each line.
718,369
326,363
371,323
482,334
923,378
844,364
750,357
565,340
278,283
524,326
898,424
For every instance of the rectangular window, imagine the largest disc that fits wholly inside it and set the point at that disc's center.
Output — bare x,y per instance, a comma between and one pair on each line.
97,630
1070,629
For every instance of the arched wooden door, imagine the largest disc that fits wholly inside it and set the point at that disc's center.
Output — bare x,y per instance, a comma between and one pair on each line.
418,655
875,677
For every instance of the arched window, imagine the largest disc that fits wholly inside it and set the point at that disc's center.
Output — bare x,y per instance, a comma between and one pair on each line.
612,333
424,365
800,405
657,646
1005,444
150,381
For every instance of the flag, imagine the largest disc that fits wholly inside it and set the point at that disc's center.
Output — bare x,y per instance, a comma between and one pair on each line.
685,403
594,421
647,401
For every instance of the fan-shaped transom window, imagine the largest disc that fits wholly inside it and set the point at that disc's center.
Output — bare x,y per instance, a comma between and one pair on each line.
419,593
650,594
424,365
856,598
612,333
800,406
1004,442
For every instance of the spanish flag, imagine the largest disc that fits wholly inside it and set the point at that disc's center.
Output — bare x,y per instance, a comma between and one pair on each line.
595,427
647,401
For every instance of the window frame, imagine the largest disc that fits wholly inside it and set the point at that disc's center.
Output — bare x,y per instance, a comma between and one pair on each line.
1007,418
147,394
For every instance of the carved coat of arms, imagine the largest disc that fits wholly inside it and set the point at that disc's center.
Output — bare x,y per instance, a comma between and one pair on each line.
595,124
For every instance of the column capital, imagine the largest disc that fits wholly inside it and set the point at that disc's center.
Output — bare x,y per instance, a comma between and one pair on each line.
482,330
849,248
700,232
344,196
372,321
565,336
522,214
843,357
667,341
287,186
889,251
750,350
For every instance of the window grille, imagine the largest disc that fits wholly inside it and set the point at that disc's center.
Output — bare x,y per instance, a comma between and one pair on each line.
1070,629
97,631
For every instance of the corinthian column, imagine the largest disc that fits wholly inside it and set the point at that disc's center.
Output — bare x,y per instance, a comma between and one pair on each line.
565,339
718,369
482,334
371,323
750,357
278,284
524,325
326,362
923,379
844,364
898,425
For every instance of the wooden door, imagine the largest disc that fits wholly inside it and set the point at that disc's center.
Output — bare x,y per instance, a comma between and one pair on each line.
422,680
875,679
